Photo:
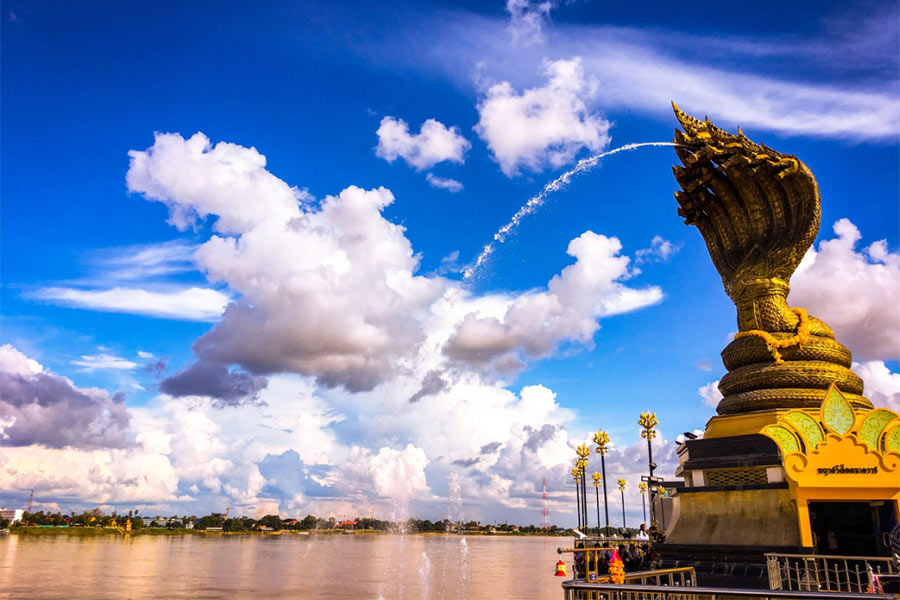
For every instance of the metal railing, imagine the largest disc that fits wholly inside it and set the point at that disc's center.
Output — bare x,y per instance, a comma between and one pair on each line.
826,573
579,590
592,573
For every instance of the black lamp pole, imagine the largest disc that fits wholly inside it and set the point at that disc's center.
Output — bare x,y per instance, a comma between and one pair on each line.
601,438
648,422
578,501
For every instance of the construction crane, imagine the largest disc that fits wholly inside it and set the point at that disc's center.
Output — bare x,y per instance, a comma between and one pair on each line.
30,501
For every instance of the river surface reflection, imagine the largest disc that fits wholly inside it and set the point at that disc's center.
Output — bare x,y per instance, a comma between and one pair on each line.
287,566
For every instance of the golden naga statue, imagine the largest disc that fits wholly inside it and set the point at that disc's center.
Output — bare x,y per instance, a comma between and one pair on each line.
758,211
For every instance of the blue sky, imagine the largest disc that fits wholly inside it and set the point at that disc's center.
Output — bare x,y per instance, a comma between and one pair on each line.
396,141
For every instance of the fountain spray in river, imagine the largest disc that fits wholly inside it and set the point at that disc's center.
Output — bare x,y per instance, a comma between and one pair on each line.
455,522
454,504
535,202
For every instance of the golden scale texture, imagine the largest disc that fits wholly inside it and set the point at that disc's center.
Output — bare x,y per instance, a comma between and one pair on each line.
758,212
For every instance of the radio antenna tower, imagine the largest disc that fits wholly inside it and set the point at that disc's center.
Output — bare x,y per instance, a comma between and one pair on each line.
545,508
30,501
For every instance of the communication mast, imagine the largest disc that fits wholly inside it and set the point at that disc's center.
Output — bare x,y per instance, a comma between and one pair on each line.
30,501
545,508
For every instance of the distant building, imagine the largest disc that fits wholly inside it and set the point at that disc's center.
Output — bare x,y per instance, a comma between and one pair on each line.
290,522
347,525
12,514
159,521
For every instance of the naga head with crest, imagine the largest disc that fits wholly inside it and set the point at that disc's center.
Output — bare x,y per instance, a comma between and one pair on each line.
758,212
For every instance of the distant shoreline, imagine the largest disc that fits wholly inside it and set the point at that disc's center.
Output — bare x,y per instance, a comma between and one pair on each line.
98,531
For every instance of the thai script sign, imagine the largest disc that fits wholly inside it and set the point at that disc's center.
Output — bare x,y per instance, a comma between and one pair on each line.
842,470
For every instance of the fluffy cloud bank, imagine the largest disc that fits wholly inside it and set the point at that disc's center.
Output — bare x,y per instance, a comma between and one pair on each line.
330,289
37,407
372,382
196,179
542,126
854,291
534,323
72,443
89,476
882,386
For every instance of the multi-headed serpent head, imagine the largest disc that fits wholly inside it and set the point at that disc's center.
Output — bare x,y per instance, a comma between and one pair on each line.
757,209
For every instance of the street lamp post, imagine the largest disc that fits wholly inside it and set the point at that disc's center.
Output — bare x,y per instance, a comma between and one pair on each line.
597,477
583,452
601,438
643,488
648,422
621,483
582,466
576,474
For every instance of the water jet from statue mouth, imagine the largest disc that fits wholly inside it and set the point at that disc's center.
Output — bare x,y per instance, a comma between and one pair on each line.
535,202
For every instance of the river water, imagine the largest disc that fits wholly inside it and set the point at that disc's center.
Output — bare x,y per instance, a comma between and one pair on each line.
286,566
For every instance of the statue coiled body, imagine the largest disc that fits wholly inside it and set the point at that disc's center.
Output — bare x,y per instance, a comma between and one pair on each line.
758,211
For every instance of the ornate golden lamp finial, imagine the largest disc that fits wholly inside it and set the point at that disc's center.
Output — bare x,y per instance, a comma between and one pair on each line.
621,483
583,451
648,422
642,487
601,438
597,479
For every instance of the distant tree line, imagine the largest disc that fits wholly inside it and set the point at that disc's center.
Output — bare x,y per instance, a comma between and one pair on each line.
95,518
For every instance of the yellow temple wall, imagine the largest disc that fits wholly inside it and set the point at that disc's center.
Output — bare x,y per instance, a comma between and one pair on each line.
766,517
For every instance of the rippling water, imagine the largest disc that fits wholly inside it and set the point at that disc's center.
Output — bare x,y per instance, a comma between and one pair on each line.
287,566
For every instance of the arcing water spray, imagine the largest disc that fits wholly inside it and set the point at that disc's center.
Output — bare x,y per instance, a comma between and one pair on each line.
535,202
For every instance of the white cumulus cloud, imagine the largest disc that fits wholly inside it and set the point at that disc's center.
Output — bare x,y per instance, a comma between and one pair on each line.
882,386
434,143
92,476
660,250
39,407
854,291
334,291
710,393
196,179
534,323
15,363
542,126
